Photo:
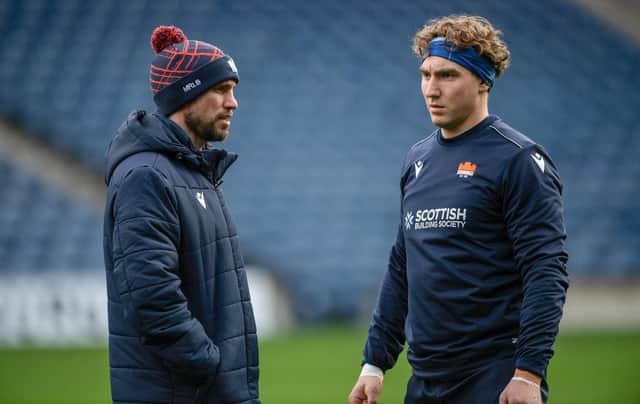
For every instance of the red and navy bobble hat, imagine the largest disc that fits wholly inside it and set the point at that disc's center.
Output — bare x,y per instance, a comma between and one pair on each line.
183,69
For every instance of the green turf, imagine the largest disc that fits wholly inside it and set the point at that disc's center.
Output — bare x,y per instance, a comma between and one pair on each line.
60,376
320,366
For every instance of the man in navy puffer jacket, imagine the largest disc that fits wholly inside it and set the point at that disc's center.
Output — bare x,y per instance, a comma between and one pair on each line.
181,325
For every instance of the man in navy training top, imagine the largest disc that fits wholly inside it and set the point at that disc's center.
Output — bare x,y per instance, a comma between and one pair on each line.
477,278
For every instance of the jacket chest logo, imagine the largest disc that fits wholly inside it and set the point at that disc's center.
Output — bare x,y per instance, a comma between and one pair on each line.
200,198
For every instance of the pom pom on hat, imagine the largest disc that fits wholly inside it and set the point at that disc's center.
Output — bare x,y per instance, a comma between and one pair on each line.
165,36
184,68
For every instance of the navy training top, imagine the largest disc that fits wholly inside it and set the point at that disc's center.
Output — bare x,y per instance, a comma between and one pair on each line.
478,269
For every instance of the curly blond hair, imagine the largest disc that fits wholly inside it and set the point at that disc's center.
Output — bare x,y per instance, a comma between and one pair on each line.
465,31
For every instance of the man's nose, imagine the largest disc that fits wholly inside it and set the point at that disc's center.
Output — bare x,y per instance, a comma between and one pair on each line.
431,88
230,101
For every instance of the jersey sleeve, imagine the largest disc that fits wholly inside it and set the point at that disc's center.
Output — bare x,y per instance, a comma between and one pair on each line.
386,336
534,216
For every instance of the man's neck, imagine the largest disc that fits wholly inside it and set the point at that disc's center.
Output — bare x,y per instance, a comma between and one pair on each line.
450,133
179,120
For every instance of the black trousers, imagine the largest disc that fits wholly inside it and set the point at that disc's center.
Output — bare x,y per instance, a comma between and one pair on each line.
483,386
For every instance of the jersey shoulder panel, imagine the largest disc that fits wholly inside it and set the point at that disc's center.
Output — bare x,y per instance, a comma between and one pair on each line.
416,152
420,147
515,139
426,139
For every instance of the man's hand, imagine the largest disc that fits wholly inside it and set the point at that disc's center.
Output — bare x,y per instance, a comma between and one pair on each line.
366,390
524,388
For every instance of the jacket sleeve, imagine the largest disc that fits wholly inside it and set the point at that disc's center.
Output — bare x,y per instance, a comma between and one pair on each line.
145,249
534,216
386,333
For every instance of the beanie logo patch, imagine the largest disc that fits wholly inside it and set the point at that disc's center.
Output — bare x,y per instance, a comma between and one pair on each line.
191,85
232,65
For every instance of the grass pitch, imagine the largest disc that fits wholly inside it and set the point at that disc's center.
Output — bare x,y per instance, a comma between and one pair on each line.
319,366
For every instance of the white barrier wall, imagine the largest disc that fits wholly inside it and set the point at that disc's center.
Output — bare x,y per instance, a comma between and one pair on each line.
53,308
70,308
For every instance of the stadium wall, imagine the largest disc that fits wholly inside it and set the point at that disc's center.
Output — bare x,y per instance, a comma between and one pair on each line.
70,308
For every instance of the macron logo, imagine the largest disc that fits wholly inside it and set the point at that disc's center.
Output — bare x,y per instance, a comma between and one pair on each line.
418,167
539,160
200,198
190,86
232,65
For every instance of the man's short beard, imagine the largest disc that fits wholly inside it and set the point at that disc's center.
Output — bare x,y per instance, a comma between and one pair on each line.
203,129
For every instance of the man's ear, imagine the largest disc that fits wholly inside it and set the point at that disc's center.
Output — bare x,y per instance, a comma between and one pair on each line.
484,87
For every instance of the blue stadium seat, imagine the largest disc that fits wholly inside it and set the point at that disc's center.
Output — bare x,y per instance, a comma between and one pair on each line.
42,229
329,103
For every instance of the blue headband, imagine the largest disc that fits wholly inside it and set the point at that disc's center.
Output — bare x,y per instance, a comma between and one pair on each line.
465,57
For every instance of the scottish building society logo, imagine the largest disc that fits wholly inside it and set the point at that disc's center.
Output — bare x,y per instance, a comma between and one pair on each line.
438,218
408,220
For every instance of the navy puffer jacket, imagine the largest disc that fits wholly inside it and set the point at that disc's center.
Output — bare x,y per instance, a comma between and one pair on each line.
181,325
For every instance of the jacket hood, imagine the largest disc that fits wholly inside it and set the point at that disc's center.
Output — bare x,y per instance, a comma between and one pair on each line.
144,132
